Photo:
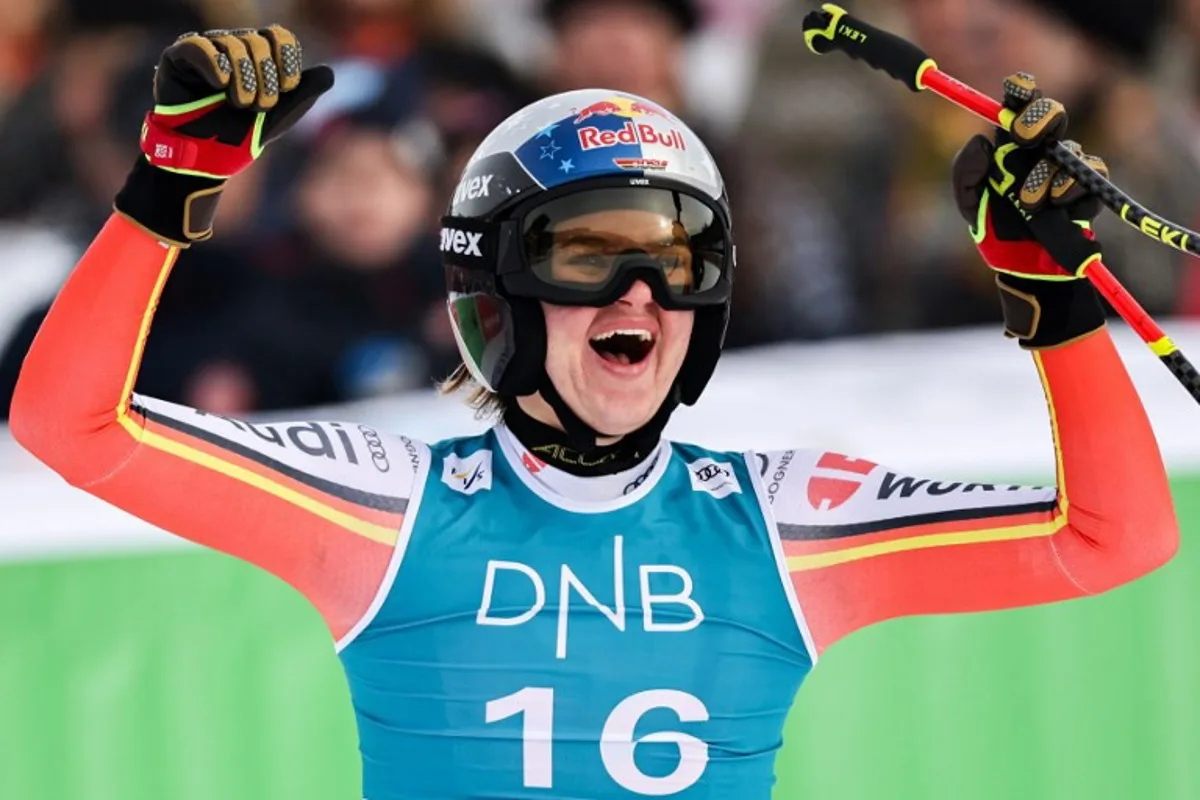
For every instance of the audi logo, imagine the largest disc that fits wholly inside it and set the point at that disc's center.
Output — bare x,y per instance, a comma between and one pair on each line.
710,471
375,446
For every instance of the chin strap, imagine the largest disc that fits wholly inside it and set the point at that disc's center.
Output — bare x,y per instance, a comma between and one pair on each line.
583,437
580,435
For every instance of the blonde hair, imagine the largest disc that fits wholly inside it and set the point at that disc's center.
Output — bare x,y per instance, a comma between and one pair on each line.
487,404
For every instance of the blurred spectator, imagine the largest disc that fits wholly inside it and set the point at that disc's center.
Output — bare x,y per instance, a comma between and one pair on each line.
630,45
340,294
831,130
203,320
371,45
926,272
838,177
345,304
814,151
466,93
22,44
1100,60
382,31
1177,104
375,47
66,143
423,119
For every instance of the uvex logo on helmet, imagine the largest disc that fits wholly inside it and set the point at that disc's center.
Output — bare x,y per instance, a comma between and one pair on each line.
464,243
827,493
473,188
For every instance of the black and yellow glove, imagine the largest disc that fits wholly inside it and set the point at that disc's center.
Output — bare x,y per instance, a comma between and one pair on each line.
1031,221
220,98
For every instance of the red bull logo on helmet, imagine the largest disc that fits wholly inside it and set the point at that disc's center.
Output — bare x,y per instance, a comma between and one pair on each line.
637,131
602,109
620,106
631,132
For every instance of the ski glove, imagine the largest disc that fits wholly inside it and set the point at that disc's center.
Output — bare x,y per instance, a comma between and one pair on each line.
220,98
1031,221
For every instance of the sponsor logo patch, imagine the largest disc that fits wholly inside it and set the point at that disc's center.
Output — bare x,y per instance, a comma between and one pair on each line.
714,477
828,491
470,474
631,133
532,462
465,243
641,163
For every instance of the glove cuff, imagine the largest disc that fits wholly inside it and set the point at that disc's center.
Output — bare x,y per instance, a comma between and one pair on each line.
1045,314
174,207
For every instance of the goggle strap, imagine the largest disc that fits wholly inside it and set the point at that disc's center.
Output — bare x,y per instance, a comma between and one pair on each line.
469,243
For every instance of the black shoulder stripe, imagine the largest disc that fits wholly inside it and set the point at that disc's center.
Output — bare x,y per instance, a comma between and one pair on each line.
796,532
379,502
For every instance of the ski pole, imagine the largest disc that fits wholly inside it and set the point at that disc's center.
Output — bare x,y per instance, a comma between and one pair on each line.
832,28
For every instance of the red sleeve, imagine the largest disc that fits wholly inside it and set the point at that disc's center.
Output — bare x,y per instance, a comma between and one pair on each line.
865,544
320,517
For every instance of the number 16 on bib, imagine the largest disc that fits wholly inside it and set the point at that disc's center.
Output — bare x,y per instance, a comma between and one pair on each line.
616,744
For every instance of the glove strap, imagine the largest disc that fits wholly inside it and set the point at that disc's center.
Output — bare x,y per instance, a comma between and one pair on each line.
165,147
1044,314
173,206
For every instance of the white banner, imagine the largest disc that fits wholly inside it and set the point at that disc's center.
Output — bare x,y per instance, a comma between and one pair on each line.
962,405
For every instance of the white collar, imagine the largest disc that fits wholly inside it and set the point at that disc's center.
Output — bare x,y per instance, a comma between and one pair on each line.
593,494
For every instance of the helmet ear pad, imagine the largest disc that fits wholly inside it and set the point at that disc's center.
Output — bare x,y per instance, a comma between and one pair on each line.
704,349
524,374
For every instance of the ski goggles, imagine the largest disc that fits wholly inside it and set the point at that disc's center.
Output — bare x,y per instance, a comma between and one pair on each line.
589,247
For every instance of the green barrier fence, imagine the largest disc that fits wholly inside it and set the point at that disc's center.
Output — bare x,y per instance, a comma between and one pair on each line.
190,676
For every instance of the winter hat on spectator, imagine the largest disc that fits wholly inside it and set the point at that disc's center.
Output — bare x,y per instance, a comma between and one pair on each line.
93,15
416,141
1130,29
485,90
685,12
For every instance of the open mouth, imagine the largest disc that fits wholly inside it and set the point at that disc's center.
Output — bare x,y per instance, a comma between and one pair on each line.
624,346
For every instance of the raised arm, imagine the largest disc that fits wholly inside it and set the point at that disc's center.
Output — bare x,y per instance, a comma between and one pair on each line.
865,543
320,505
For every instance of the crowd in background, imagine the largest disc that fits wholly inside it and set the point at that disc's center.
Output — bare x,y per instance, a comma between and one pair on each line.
323,283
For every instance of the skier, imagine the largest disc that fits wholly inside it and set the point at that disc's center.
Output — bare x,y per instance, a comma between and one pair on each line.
569,605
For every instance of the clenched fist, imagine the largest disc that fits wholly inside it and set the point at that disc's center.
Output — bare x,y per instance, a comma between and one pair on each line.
1032,221
220,97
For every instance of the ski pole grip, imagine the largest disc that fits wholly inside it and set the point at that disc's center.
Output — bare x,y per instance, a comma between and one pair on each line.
832,28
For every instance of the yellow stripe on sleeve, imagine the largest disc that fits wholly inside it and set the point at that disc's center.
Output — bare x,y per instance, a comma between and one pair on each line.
377,533
139,346
829,559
